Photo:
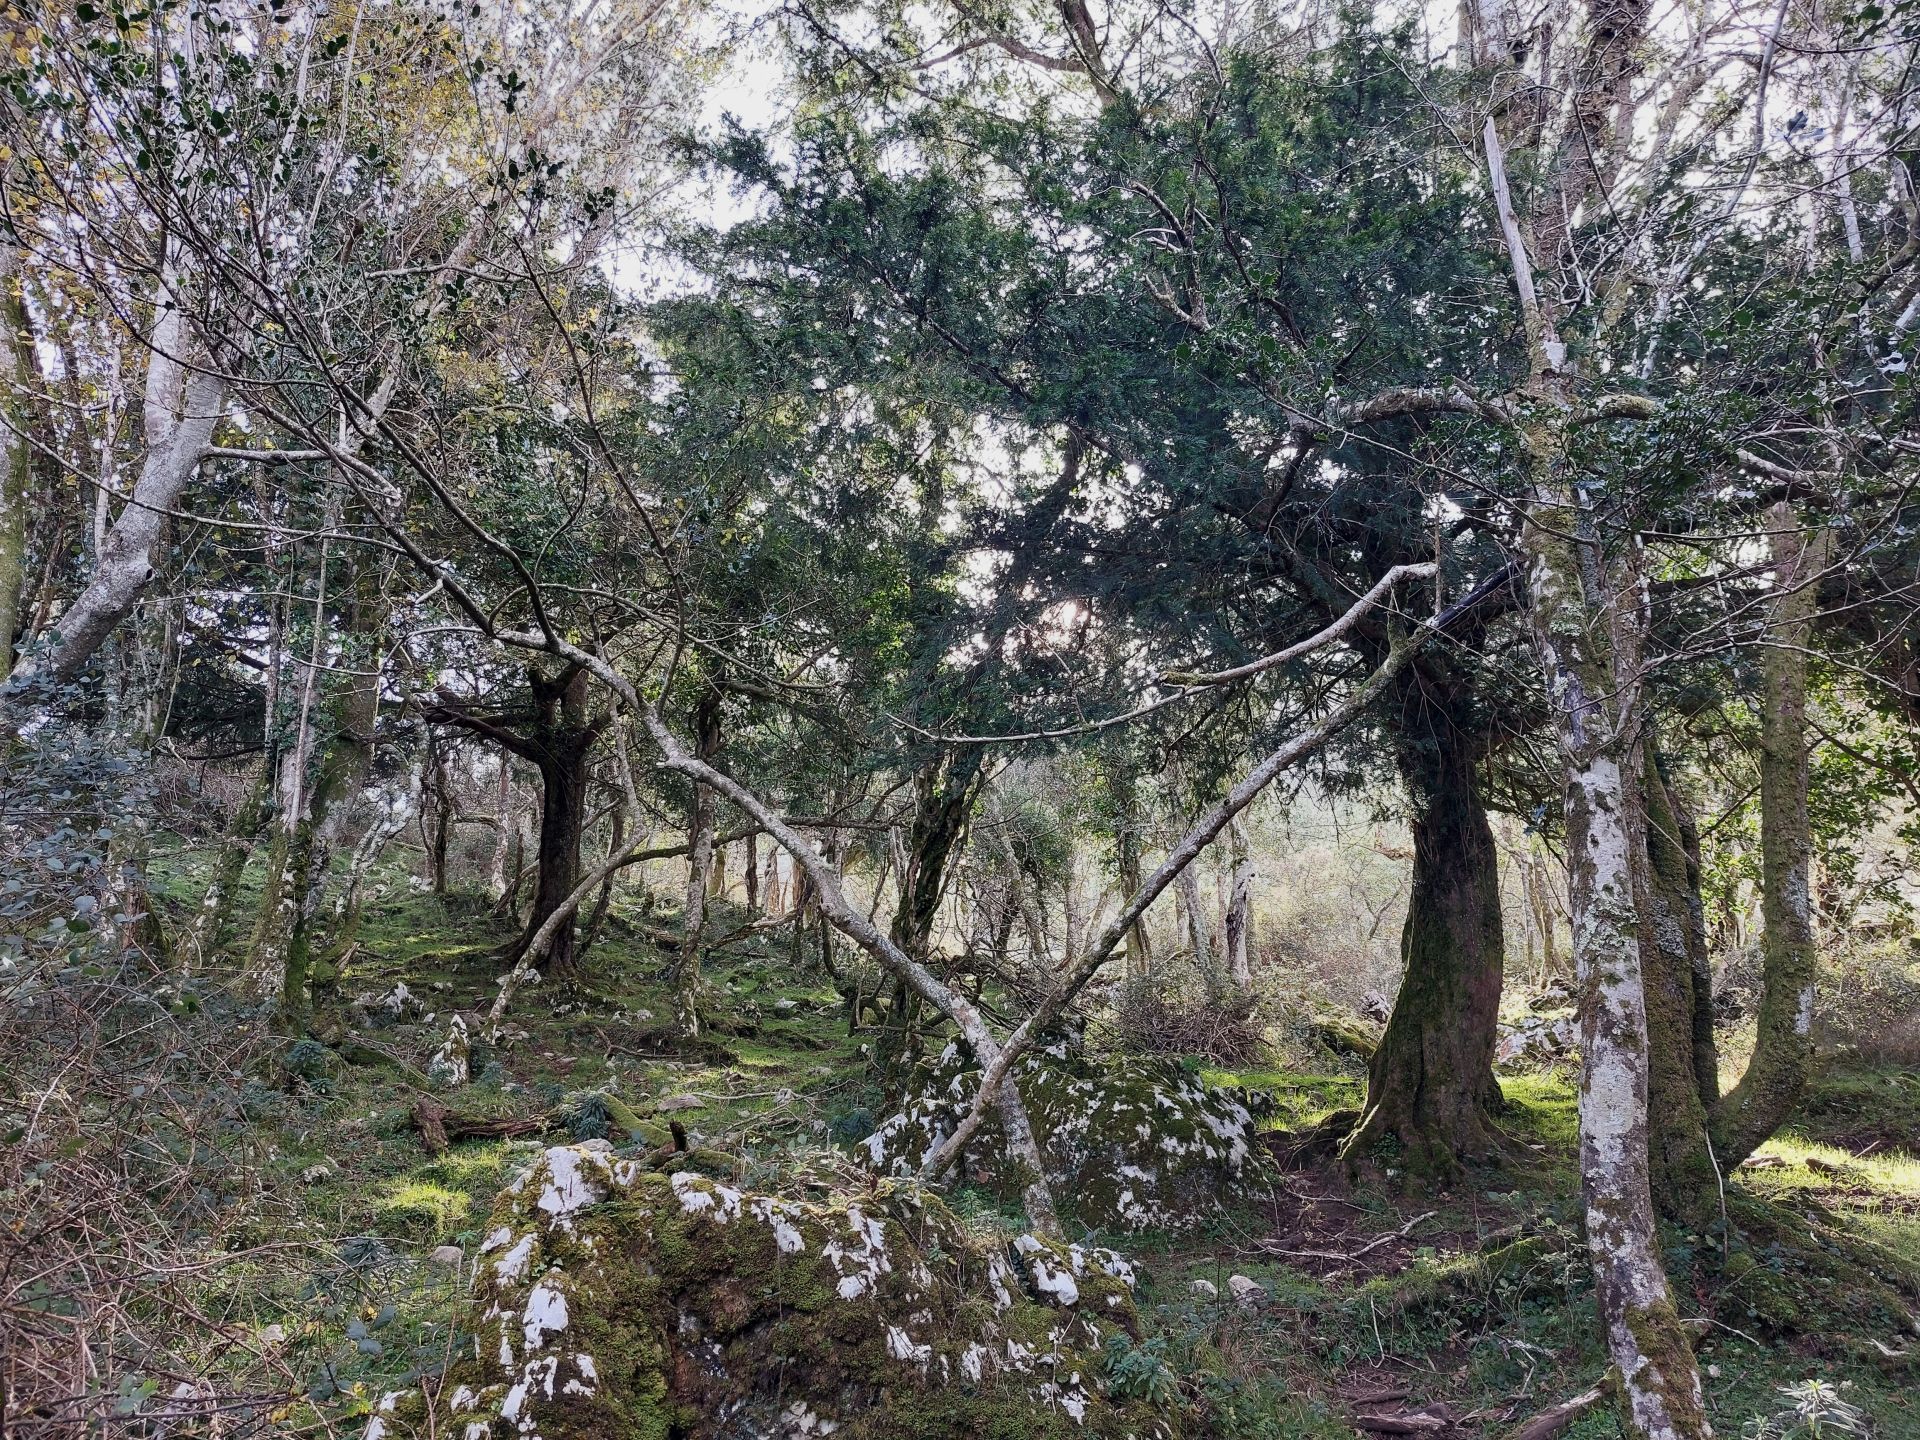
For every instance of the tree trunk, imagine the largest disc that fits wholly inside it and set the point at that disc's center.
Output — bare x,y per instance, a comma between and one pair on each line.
563,817
944,792
616,843
392,812
1430,1084
439,836
211,920
1239,924
556,737
1783,1054
1545,922
700,810
181,408
1126,845
1587,629
1673,944
752,873
1187,886
16,455
502,823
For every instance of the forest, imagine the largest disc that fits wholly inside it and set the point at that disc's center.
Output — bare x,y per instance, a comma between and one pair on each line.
959,720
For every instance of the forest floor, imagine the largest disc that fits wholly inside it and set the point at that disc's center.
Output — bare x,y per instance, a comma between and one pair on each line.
1393,1309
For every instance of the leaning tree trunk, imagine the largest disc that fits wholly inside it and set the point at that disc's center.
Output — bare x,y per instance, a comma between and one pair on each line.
1587,631
1783,1054
181,407
1430,1084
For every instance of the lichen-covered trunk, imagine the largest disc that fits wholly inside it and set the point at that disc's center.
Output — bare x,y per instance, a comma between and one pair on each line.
346,755
16,455
1199,933
1587,627
1673,947
503,820
685,976
1783,1054
1126,852
1430,1084
1239,921
437,823
180,409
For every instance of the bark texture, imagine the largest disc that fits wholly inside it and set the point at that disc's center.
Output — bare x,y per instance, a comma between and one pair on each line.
1430,1083
685,977
1674,946
16,456
1783,1053
1587,630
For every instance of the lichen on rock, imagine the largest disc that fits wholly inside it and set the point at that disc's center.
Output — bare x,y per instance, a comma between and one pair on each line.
1144,1146
613,1299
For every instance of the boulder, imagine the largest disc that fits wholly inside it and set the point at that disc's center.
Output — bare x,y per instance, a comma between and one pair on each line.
1538,1040
1247,1293
1135,1145
613,1299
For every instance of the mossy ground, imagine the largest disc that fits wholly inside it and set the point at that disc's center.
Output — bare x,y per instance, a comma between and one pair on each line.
336,1172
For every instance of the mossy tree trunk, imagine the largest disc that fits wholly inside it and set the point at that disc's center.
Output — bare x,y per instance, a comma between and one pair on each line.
346,758
944,793
212,920
1783,1054
1673,943
1430,1083
1238,930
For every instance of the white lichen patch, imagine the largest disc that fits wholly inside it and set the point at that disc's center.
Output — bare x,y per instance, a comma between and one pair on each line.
512,1265
546,1312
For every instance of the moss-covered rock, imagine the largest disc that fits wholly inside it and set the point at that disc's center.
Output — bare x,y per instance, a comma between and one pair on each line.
1139,1145
615,1300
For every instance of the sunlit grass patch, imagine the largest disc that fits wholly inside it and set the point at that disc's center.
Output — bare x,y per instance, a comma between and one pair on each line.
419,1209
1541,1106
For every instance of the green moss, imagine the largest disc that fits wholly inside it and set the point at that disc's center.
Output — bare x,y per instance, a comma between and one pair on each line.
422,1210
878,1310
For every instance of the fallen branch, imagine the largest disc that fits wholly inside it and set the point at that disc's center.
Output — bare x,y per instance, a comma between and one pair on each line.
439,1127
1549,1423
1348,1259
1403,1424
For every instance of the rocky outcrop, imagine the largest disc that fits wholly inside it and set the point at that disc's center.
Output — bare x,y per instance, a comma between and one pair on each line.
612,1299
1142,1145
